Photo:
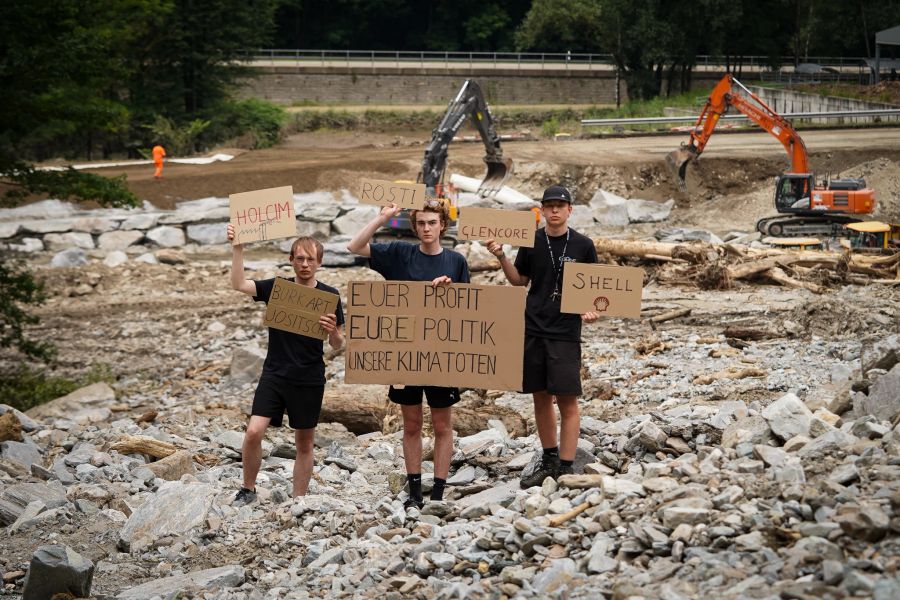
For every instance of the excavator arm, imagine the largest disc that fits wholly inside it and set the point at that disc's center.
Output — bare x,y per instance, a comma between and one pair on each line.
722,97
469,102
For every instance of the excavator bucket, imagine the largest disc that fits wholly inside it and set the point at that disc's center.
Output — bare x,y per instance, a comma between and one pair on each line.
677,163
498,171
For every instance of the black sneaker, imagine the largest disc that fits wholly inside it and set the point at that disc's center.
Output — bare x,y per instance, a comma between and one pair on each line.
244,497
549,467
414,503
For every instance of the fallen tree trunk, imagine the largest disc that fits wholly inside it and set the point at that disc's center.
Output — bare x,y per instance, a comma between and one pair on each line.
366,408
693,253
776,274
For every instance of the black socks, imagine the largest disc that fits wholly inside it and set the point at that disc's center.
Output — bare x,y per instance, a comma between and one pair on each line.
415,486
551,451
566,463
437,491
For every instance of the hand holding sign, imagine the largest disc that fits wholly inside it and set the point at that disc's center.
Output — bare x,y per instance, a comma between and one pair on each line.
301,309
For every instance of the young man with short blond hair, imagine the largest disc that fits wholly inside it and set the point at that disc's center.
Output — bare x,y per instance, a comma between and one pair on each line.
293,377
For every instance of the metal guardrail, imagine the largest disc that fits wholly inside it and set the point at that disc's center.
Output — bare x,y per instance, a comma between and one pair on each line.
692,120
505,59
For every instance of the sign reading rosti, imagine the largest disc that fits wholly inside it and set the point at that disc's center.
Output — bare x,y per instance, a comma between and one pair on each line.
514,227
605,289
297,308
263,215
382,193
412,333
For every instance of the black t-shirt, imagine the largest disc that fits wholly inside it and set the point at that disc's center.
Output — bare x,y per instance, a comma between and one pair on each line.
291,355
542,316
403,261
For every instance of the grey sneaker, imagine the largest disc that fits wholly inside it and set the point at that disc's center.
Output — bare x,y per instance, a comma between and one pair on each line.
549,467
414,503
244,497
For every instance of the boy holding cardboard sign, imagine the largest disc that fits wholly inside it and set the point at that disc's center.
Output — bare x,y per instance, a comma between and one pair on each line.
552,338
425,261
293,377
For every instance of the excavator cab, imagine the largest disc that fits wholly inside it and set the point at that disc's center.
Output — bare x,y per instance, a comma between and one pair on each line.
793,192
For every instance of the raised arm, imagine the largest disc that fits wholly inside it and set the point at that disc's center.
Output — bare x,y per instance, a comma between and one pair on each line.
509,269
238,281
359,245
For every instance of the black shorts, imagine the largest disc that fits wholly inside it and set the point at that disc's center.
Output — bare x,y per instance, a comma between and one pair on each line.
551,365
438,397
302,402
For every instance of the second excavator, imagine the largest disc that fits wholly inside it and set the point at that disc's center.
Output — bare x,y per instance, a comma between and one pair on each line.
469,103
806,207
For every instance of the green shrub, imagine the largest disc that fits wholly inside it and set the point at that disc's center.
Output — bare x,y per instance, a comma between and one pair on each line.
550,127
27,387
178,139
256,122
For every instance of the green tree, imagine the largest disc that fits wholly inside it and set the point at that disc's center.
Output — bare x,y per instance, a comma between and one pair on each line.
563,25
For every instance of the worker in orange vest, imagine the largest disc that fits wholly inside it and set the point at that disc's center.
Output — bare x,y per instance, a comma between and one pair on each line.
158,154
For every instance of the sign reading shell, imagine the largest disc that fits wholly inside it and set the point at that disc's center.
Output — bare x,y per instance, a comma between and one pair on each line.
609,290
414,333
297,308
383,193
514,227
263,215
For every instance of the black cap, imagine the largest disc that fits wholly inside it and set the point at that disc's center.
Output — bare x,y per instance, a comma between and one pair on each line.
556,192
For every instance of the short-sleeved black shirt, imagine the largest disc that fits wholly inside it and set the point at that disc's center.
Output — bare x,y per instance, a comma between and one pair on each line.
403,261
542,316
293,356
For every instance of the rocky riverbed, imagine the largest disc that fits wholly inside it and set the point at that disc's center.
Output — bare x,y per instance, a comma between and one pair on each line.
707,465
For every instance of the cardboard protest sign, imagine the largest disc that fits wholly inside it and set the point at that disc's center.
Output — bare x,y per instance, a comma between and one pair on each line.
297,308
411,333
263,215
608,290
382,193
514,227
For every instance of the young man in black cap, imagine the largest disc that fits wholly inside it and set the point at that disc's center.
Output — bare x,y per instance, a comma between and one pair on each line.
552,365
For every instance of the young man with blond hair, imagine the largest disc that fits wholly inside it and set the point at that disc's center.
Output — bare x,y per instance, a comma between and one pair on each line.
293,377
425,261
552,364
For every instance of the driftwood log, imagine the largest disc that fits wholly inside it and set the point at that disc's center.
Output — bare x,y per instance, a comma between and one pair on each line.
719,267
366,408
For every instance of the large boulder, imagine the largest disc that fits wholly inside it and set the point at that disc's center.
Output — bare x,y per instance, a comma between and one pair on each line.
176,508
207,582
73,257
680,234
883,400
609,210
648,211
882,353
319,207
58,569
246,364
72,405
28,245
119,240
208,234
61,241
355,219
167,237
788,417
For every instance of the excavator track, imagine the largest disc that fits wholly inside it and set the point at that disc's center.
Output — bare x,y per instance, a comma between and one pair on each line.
804,226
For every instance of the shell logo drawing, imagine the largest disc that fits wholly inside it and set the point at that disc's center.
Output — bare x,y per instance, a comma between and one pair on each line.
601,303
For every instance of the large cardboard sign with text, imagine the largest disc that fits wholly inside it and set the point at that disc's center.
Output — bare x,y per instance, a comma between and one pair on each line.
411,333
609,290
263,215
297,308
514,227
383,193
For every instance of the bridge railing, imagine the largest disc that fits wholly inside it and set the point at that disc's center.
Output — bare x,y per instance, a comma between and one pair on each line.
575,60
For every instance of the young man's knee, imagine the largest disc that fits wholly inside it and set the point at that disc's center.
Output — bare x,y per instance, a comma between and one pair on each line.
568,405
442,424
254,434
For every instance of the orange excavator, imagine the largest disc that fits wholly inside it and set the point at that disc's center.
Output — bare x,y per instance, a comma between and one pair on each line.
805,207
